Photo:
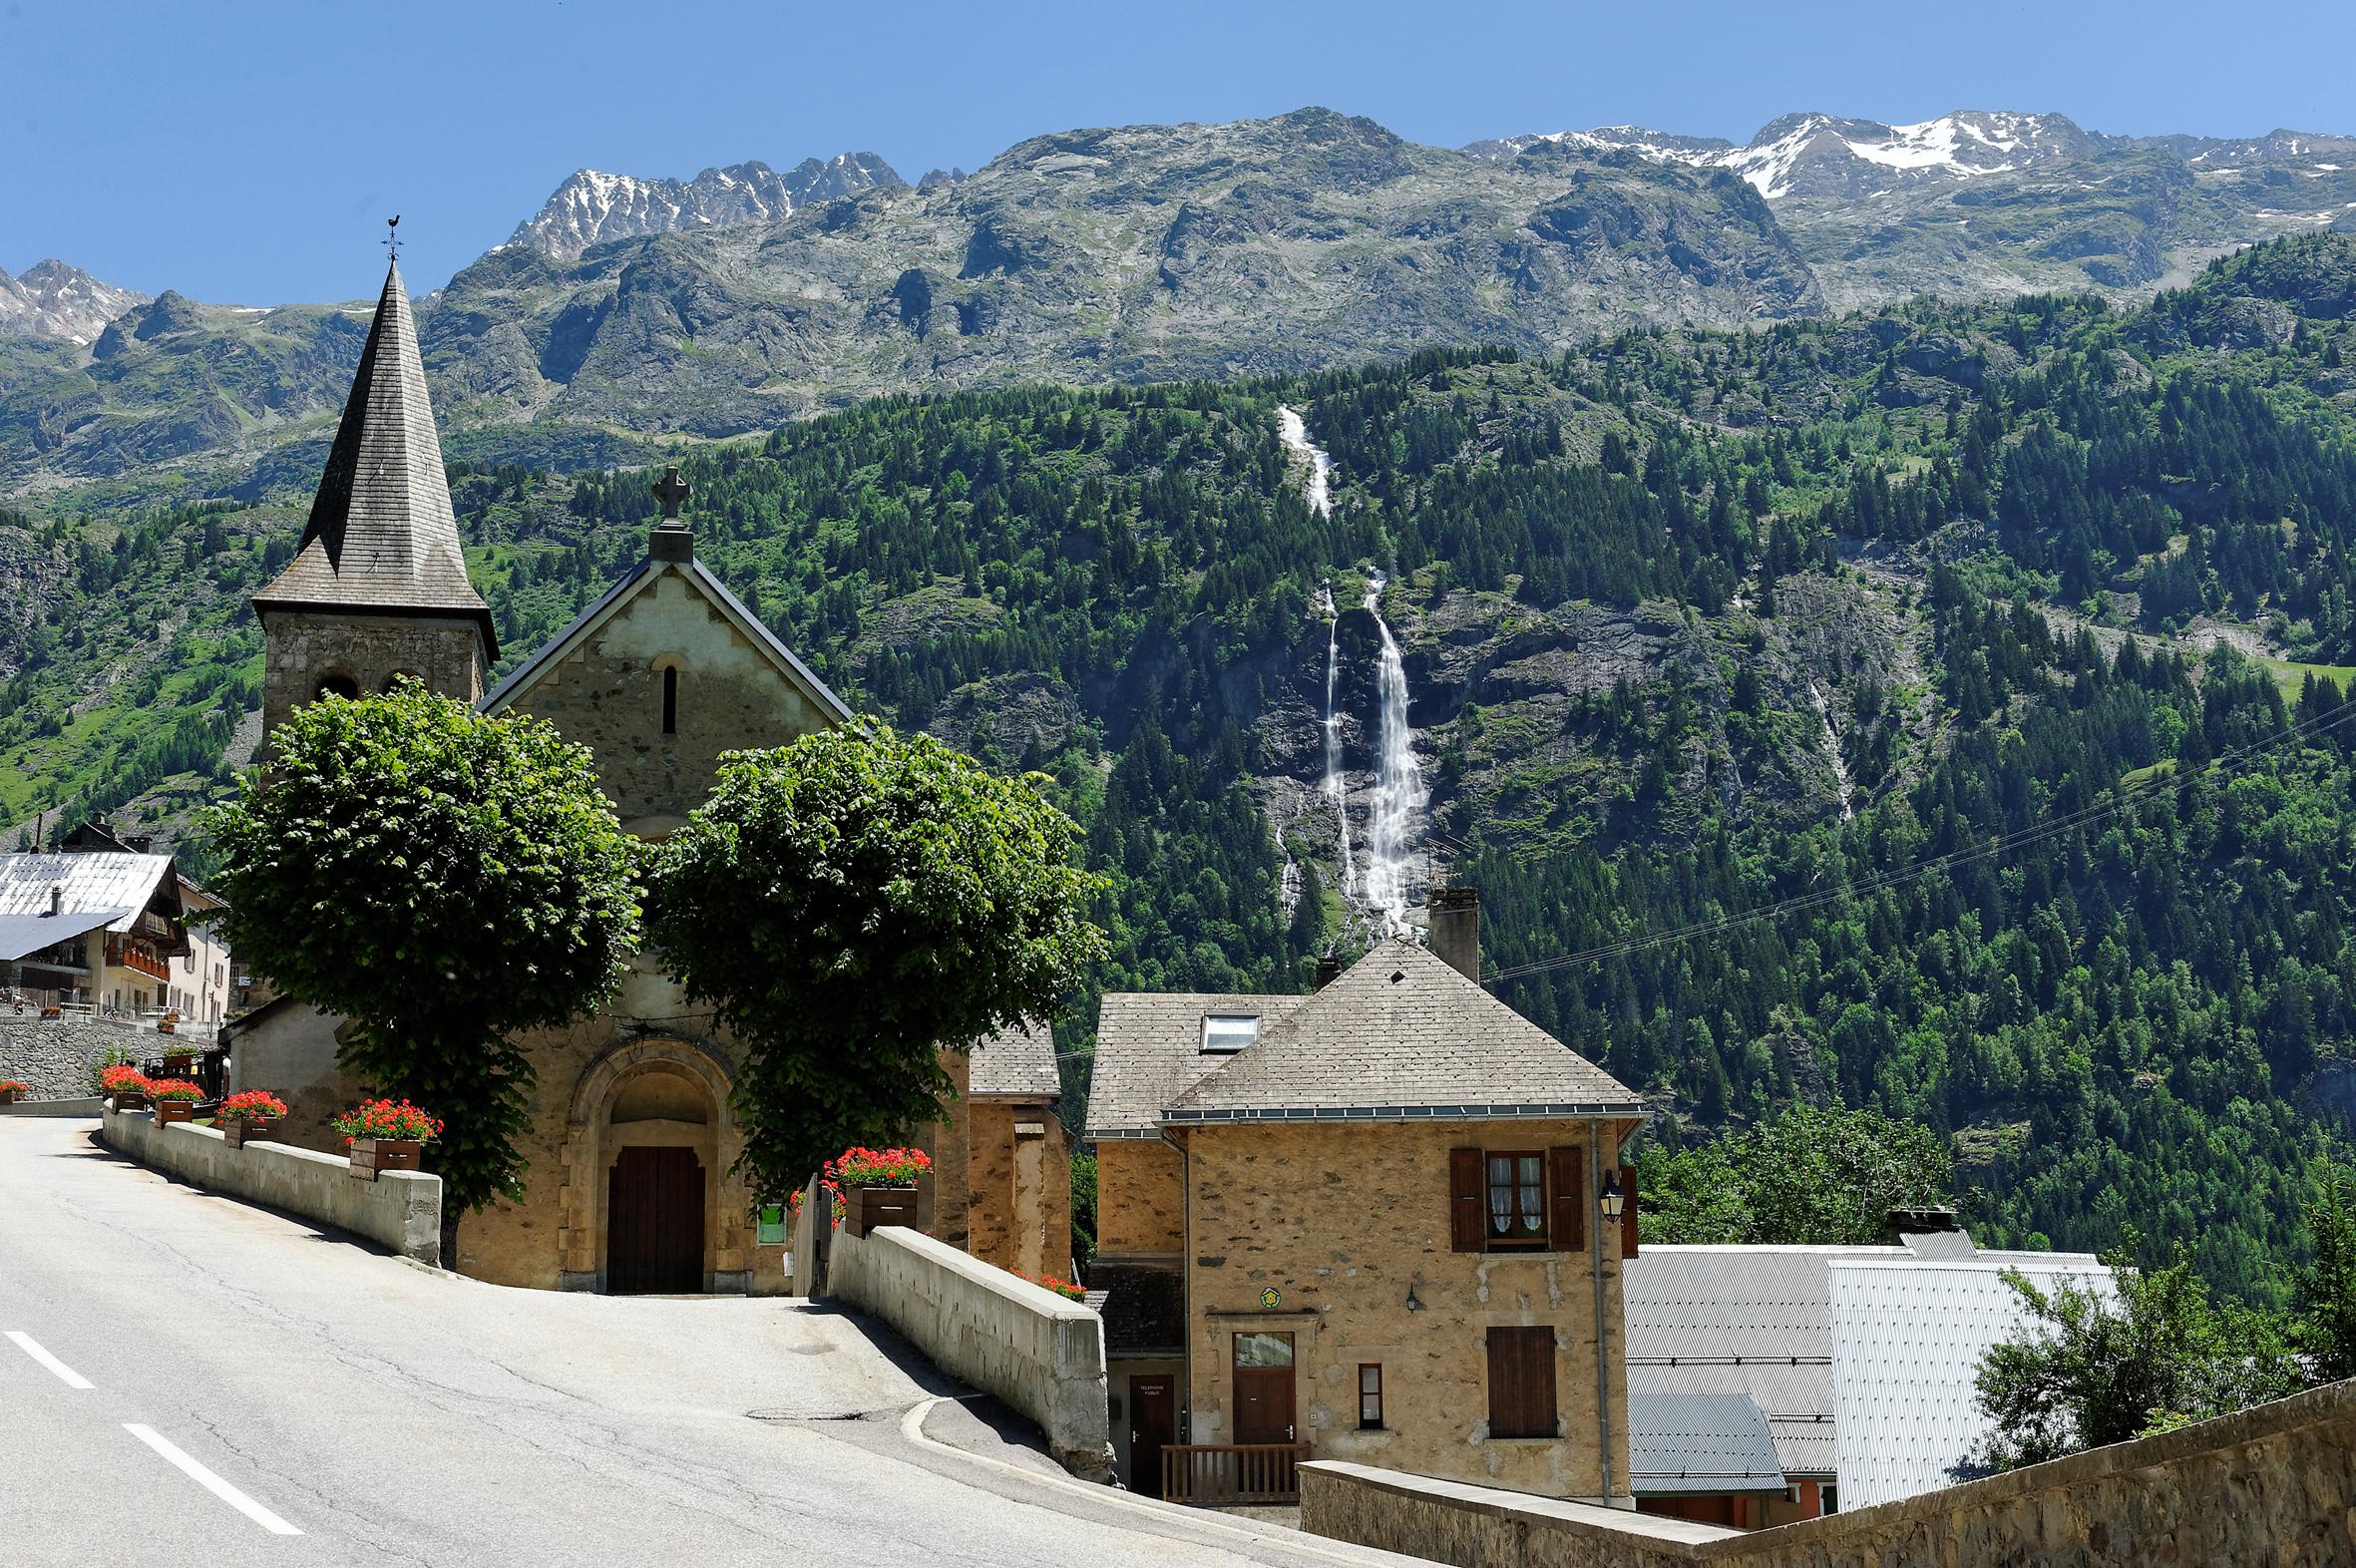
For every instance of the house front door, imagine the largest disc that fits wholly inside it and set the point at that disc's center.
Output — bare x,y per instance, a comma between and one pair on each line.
654,1223
1263,1387
1153,1423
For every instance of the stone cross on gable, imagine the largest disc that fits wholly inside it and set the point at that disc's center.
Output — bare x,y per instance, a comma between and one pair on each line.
672,491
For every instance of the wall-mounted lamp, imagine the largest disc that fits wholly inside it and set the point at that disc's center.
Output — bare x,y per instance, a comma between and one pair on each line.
1613,1199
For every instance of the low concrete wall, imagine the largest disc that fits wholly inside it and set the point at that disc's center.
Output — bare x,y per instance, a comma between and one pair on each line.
401,1209
88,1105
1041,1354
2274,1484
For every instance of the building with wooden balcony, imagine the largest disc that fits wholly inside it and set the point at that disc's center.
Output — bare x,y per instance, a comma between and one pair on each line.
93,929
1383,1223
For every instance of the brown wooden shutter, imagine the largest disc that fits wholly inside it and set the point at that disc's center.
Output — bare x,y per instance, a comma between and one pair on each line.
1466,1195
1521,1382
1628,1211
1566,1229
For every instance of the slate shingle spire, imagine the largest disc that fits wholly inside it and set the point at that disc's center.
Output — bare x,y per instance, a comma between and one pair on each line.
382,536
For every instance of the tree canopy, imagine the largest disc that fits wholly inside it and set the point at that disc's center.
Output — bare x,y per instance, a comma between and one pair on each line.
444,879
1812,1176
852,906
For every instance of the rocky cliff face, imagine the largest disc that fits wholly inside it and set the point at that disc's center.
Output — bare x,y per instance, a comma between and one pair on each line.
592,207
54,300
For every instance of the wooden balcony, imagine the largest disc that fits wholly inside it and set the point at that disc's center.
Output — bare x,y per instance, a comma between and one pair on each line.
1212,1474
132,958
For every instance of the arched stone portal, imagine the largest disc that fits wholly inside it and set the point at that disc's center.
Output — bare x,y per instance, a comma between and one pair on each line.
648,1202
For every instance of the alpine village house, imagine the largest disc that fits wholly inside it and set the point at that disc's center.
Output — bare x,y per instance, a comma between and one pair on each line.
1382,1221
631,1141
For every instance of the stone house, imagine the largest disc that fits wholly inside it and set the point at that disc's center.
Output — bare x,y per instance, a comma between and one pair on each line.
1363,1224
632,1140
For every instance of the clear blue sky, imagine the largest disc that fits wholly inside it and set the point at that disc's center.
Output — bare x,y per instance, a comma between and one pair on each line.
250,152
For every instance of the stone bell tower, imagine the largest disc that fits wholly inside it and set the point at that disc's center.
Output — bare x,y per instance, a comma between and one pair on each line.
378,588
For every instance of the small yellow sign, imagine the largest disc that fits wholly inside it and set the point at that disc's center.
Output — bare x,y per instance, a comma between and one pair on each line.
1271,1297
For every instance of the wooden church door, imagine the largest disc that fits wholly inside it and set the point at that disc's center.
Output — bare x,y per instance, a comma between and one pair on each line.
654,1223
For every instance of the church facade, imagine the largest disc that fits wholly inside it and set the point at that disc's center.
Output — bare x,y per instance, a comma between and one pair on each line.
632,1140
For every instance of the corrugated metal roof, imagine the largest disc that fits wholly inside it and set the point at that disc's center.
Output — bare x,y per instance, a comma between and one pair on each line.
1797,1401
1700,1445
23,933
123,884
1016,1063
1907,1337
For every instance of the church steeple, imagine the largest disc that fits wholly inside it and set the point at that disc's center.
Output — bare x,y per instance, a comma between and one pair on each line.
382,537
377,589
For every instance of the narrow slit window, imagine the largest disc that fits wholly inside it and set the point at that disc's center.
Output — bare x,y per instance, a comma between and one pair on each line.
670,700
1370,1397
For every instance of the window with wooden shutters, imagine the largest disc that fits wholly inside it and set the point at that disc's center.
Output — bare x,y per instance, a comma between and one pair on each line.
1568,1233
1466,1227
1517,1199
1521,1382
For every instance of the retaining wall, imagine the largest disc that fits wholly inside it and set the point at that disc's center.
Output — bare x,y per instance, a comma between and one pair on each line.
2274,1484
400,1209
1041,1354
60,1058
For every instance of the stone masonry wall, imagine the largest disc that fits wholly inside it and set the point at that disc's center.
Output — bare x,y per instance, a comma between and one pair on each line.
306,648
607,695
58,1059
1021,1208
1349,1224
2273,1485
1138,1199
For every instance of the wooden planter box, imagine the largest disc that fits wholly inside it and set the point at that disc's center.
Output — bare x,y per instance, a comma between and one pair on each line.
869,1207
169,1111
373,1155
238,1131
9,1096
126,1100
178,1063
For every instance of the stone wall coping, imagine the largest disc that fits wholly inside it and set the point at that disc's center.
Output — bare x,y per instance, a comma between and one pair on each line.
1030,1297
1496,1503
1930,1515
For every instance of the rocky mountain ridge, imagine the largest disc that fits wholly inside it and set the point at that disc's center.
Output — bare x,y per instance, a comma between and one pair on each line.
592,206
52,300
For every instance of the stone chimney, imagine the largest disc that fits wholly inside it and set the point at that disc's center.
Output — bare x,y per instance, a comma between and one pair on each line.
1456,928
1329,970
1920,1222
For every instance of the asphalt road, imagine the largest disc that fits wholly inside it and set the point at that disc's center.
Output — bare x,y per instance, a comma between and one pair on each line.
262,1392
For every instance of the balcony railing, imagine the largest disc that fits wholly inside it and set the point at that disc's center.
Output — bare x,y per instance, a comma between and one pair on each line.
133,959
1216,1474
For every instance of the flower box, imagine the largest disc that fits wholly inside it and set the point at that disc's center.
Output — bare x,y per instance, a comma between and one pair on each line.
238,1131
169,1111
178,1064
372,1157
873,1206
12,1091
128,1100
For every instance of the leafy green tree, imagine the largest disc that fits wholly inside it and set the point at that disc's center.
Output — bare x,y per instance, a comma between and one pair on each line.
853,904
445,881
1083,1209
1817,1176
2093,1366
2323,1291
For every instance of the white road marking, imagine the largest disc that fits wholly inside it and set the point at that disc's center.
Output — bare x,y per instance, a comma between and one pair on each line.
27,1343
212,1482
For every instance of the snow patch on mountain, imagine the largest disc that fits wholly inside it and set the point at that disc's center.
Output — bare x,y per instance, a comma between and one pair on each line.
52,300
593,206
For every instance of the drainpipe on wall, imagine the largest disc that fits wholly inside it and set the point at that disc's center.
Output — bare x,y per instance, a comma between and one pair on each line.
1184,1414
1603,1365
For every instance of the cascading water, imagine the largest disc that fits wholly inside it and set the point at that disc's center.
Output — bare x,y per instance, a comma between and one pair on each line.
1840,773
1344,857
1399,781
1294,431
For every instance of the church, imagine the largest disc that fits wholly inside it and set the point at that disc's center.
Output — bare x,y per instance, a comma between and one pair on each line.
632,1144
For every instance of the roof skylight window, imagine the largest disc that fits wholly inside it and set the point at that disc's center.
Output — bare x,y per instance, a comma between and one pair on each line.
1226,1033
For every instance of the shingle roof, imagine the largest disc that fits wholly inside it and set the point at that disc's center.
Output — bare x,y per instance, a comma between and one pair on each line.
1401,1034
1150,1050
626,588
382,535
121,884
1017,1063
1696,1445
1143,1308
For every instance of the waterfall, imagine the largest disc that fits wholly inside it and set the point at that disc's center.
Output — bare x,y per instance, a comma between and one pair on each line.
1344,858
1398,782
1840,772
1294,431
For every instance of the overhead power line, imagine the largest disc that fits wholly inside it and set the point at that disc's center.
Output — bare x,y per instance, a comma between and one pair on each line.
2002,844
